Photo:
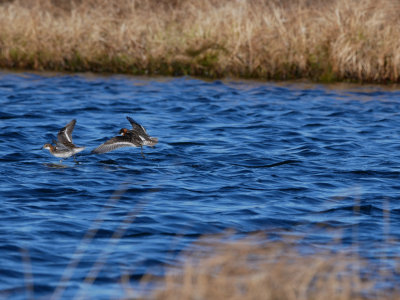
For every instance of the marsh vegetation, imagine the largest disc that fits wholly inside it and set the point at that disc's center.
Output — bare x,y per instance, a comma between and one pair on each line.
253,268
319,40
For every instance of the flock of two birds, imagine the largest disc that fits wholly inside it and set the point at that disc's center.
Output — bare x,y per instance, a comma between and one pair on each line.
136,137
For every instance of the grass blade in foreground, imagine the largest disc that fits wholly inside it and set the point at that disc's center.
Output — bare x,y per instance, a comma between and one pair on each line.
248,269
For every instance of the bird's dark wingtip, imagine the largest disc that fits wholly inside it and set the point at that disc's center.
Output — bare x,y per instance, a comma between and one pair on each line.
71,123
132,121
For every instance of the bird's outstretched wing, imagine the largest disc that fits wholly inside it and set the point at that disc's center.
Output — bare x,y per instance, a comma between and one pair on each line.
139,130
114,143
61,146
137,127
64,136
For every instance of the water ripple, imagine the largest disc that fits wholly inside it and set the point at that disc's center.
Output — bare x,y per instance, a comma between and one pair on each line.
284,158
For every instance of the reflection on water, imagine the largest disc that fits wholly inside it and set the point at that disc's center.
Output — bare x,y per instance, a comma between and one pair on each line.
289,158
57,166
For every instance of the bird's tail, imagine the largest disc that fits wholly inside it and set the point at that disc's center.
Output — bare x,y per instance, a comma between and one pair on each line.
78,149
151,141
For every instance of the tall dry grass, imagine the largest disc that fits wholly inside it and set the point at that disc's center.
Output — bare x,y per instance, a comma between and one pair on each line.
248,269
321,40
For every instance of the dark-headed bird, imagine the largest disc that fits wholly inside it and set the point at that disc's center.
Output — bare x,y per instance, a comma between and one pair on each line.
135,137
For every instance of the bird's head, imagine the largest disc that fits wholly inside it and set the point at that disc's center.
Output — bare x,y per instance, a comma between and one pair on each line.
123,131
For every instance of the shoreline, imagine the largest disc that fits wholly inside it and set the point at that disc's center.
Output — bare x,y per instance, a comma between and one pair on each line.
353,41
300,83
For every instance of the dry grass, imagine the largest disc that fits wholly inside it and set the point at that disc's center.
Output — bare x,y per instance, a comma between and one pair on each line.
270,271
322,40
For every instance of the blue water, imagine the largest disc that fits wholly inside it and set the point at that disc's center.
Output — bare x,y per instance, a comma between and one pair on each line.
288,159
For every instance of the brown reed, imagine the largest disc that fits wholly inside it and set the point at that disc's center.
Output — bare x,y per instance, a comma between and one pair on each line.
249,269
353,40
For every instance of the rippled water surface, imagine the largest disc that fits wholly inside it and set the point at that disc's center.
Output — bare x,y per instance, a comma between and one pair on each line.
292,159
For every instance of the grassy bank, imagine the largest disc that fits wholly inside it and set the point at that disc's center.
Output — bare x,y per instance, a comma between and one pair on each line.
357,40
